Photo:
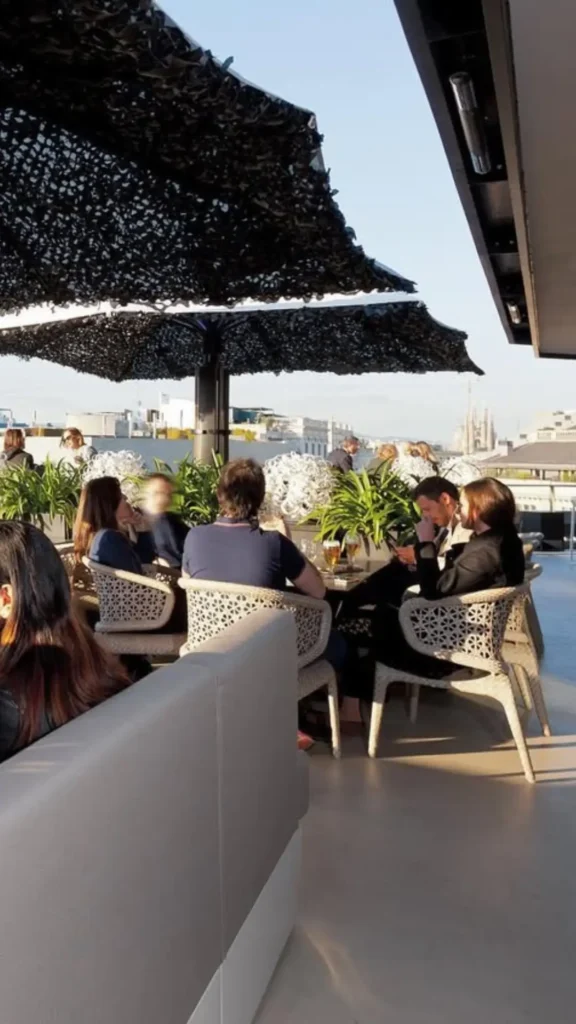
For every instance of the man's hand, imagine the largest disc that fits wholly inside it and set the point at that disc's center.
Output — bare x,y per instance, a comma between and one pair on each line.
406,555
425,530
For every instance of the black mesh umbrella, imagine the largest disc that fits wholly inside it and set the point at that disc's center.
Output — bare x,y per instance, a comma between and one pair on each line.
387,337
136,168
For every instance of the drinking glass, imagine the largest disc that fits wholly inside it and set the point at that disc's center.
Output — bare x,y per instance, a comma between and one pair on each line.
352,542
331,551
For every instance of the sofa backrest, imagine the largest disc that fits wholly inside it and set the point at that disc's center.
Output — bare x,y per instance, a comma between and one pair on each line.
133,839
256,676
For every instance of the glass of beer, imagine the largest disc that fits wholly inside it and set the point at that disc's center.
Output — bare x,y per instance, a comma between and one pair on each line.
331,552
352,542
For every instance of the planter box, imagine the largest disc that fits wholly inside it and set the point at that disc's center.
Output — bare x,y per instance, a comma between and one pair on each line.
55,529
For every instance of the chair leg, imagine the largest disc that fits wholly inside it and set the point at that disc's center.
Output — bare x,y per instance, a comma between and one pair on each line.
534,626
378,699
509,705
334,717
523,684
535,686
414,702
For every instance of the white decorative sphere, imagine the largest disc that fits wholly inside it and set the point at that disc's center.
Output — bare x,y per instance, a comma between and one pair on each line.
296,484
126,466
461,470
412,468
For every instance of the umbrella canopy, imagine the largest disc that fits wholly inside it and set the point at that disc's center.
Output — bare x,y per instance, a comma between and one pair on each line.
136,168
387,337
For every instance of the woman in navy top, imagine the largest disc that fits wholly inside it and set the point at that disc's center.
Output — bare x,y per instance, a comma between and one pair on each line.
99,531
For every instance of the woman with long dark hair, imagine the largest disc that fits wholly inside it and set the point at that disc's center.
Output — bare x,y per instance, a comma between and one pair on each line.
100,531
51,667
493,557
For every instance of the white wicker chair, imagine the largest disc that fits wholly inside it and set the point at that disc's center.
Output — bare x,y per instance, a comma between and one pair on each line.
132,608
521,651
469,631
214,606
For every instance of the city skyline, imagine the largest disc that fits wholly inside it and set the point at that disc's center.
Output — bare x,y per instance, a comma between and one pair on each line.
395,189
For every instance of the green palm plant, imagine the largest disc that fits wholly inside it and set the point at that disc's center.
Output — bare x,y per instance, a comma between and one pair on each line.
40,496
375,507
61,484
21,495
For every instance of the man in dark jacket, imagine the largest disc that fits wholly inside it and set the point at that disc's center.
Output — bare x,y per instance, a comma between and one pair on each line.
341,458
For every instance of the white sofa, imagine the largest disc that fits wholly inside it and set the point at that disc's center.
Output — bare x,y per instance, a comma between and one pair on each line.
150,849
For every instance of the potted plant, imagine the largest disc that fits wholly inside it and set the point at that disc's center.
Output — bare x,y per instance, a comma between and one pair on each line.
375,507
43,497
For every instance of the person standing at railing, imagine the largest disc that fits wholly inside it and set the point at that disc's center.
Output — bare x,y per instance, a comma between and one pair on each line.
14,455
342,458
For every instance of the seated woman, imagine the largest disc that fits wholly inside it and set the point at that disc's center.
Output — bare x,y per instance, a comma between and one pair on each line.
51,668
493,557
438,501
100,533
100,530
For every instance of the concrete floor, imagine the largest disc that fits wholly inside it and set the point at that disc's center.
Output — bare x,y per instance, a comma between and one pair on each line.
438,886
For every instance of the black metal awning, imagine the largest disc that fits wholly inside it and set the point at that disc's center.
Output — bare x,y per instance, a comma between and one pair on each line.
134,167
464,55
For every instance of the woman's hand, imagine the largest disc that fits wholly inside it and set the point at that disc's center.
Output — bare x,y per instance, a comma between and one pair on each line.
425,530
126,515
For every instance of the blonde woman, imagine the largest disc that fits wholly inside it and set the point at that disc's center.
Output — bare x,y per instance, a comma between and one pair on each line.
422,450
386,454
77,451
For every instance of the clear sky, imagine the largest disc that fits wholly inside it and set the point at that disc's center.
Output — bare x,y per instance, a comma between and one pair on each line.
349,63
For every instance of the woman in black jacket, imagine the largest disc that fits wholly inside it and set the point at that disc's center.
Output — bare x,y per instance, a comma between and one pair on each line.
493,557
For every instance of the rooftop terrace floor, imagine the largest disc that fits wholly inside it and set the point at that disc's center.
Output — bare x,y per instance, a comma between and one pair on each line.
438,886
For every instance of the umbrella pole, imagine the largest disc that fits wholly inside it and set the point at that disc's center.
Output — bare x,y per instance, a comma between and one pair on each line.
212,397
223,409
